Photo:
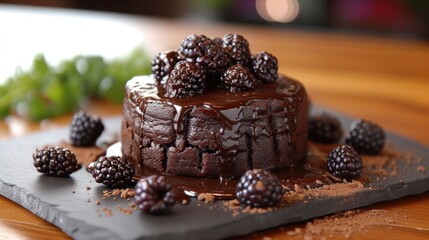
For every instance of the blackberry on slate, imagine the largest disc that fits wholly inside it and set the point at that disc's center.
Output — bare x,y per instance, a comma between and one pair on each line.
55,161
85,129
324,128
259,188
238,78
366,137
163,63
237,48
265,67
154,195
186,79
113,171
345,162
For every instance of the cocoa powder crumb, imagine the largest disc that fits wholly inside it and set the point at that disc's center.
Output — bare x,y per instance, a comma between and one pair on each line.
257,210
116,192
421,168
107,211
88,188
122,193
206,197
133,206
127,211
233,206
106,194
127,193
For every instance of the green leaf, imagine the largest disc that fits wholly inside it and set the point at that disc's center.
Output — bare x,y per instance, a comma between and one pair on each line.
46,91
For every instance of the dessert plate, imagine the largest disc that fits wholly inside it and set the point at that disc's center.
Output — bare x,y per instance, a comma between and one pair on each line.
76,205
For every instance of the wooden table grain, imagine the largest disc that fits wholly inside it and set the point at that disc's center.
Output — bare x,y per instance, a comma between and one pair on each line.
384,79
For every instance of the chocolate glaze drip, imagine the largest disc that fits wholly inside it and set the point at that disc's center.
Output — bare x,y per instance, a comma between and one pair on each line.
217,134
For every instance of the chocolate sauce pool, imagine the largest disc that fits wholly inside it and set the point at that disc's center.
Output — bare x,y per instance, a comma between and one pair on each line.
311,173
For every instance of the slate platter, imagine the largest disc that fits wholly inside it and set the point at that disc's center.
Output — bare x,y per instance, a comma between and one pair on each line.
64,201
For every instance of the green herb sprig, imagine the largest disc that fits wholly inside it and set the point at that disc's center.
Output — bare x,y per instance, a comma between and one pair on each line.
47,91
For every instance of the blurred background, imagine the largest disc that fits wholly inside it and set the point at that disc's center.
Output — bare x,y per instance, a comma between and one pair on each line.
53,62
401,18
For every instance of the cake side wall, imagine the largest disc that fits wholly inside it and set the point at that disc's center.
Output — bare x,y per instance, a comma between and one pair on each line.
269,133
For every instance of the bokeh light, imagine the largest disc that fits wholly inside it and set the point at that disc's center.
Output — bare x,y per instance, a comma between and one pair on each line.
282,11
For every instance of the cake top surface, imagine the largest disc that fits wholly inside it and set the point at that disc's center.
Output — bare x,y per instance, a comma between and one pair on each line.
144,88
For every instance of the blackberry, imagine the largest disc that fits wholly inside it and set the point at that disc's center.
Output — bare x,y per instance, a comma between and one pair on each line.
344,162
265,67
366,137
163,63
324,128
85,129
55,161
238,78
113,171
218,41
154,195
259,188
203,50
186,79
215,59
195,46
237,48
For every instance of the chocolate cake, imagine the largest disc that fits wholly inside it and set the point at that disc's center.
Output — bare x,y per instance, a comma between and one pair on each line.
219,133
212,109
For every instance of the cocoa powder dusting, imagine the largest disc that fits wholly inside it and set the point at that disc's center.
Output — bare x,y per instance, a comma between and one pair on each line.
345,224
114,194
336,189
84,155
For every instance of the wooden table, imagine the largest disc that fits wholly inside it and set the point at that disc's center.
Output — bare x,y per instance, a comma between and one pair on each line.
379,78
